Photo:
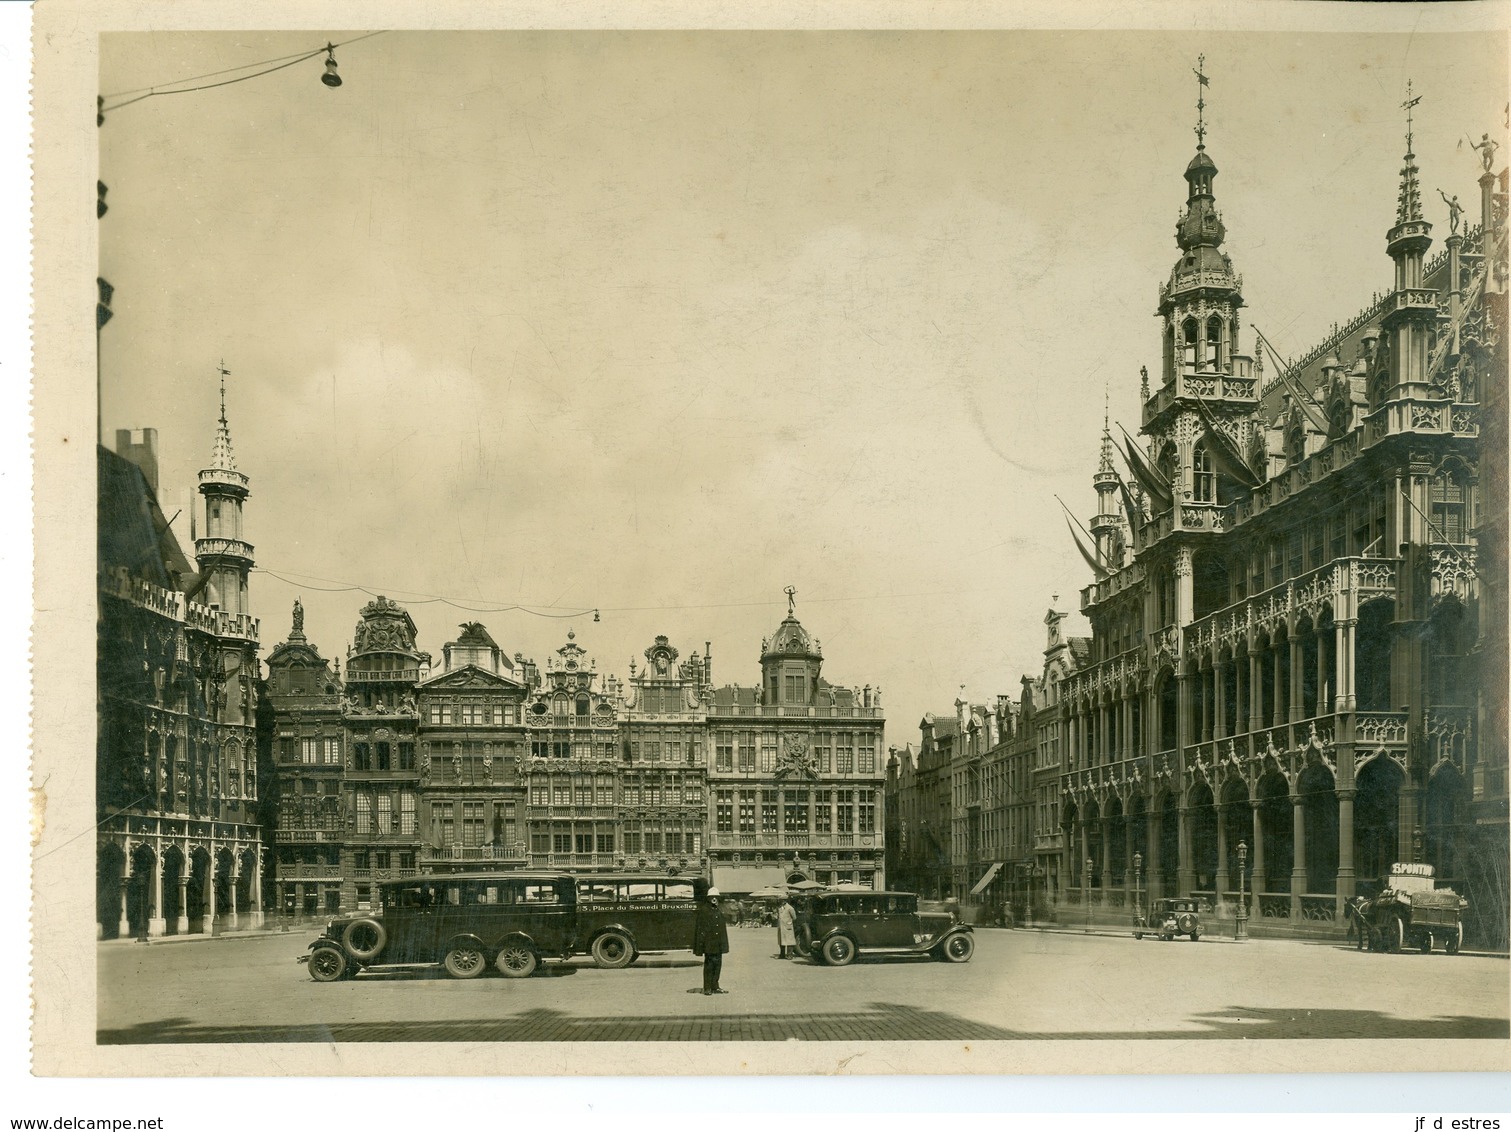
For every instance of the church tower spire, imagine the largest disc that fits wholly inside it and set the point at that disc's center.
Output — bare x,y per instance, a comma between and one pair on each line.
225,559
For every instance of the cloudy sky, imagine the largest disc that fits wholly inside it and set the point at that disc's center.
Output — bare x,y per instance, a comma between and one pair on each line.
660,323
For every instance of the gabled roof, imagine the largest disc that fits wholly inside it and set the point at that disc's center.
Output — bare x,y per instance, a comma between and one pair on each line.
133,531
468,676
944,724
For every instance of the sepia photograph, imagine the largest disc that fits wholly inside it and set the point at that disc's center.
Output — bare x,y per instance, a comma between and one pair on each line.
787,549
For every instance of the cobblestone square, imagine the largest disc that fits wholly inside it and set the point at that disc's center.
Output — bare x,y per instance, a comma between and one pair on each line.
1020,985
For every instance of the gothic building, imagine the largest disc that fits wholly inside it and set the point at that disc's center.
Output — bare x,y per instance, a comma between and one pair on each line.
1288,613
176,769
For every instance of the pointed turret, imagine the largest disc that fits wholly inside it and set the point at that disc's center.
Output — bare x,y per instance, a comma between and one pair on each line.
1411,311
1106,526
225,559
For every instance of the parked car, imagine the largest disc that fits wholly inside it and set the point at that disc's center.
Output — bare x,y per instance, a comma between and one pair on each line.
462,921
834,927
1409,911
1171,917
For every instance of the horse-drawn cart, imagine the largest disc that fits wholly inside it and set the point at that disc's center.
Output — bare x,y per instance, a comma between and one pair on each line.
1411,911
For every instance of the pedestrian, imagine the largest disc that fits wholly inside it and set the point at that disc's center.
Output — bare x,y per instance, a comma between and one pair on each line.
710,940
786,936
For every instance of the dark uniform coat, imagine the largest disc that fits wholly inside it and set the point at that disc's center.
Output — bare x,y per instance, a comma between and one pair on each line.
710,934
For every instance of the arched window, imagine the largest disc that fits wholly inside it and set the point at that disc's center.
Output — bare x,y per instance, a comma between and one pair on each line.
1190,337
583,704
1450,506
559,706
1214,343
1203,479
1295,446
1337,418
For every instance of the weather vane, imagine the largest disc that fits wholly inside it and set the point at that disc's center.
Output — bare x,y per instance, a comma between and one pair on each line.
1406,106
224,373
1201,105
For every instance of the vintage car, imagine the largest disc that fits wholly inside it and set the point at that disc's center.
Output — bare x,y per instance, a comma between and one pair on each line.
1409,911
619,916
834,927
1169,918
464,922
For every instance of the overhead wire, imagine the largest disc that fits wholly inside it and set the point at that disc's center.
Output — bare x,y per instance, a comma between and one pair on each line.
336,585
282,62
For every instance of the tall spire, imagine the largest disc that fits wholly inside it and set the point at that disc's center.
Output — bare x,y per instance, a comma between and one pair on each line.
1409,204
222,458
1201,225
1201,105
1106,464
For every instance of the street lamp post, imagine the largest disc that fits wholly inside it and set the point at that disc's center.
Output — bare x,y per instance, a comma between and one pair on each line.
1241,930
1138,884
1086,891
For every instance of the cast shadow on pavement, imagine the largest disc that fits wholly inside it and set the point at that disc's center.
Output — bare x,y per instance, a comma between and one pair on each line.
880,1022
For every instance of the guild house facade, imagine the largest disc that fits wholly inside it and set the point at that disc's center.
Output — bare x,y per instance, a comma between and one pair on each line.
483,761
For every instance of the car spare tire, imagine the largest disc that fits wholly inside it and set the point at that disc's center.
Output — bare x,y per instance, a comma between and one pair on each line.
1186,923
364,938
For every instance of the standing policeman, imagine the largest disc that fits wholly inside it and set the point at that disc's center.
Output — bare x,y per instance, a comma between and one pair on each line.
710,940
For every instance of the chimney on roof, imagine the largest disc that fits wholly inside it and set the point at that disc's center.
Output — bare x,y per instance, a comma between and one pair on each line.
142,453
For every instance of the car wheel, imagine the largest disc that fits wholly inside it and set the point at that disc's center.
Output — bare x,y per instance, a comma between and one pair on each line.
1138,935
1195,936
839,951
1395,934
465,961
364,939
517,961
1455,941
612,951
327,964
1425,944
959,948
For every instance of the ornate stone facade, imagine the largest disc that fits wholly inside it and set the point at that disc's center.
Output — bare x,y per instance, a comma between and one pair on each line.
178,783
1291,659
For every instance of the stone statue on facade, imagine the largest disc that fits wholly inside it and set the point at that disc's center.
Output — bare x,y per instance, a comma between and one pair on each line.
1455,212
1486,149
298,616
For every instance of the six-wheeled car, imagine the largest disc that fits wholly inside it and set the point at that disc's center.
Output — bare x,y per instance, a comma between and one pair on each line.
463,922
